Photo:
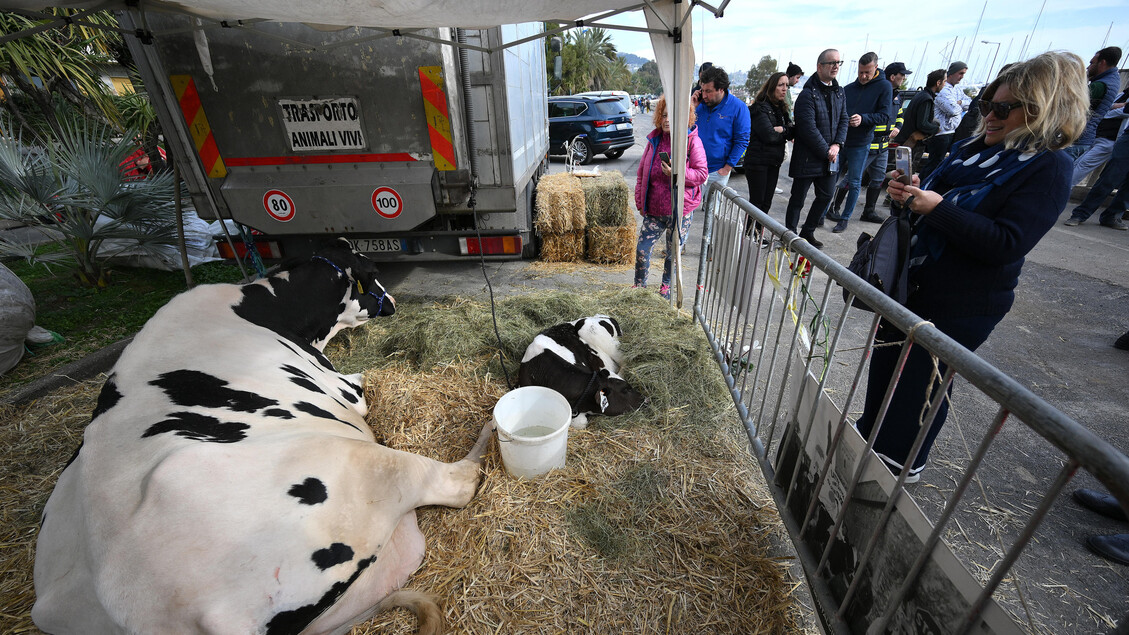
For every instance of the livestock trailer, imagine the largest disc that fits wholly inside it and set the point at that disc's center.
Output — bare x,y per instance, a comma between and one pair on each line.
403,145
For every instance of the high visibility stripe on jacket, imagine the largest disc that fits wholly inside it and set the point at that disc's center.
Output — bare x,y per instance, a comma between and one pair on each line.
882,133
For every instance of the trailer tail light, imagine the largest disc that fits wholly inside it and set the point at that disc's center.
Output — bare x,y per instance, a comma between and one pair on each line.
490,246
269,249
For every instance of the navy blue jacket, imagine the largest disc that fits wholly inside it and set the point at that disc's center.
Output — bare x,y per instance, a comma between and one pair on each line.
978,270
872,102
821,119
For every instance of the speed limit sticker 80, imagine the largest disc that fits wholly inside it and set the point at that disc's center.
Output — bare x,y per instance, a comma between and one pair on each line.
387,202
278,205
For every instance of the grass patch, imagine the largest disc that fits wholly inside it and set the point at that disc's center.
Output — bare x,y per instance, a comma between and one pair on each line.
89,319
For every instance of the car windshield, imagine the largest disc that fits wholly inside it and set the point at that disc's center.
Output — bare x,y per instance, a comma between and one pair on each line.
610,107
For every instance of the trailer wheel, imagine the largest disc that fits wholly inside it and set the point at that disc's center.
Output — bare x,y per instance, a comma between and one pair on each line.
614,154
581,150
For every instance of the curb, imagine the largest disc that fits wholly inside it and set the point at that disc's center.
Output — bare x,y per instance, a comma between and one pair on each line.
80,370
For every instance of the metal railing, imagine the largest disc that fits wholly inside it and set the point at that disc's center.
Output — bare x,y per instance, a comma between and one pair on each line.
784,332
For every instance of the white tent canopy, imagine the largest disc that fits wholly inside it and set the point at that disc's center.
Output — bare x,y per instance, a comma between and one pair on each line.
668,22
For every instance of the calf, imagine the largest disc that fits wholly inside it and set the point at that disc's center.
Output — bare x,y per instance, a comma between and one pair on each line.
581,361
228,483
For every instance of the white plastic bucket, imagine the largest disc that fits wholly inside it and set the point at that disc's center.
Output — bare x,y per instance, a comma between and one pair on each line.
532,424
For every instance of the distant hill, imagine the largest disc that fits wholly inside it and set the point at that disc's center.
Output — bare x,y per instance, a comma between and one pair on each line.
633,61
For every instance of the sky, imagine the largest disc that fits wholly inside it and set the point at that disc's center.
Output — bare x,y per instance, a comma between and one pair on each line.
798,31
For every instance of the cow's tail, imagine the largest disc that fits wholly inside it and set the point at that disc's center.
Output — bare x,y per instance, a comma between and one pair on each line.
422,605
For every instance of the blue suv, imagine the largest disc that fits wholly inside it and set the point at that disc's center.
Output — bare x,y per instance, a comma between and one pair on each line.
591,125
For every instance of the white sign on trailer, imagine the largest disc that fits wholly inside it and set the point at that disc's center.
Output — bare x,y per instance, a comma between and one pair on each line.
333,123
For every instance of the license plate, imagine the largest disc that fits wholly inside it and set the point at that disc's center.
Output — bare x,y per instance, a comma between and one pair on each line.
623,126
371,245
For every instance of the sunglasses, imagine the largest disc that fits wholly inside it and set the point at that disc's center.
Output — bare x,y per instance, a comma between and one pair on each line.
999,108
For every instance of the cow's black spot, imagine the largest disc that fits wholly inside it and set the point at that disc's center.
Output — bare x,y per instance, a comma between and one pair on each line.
107,399
311,409
309,492
281,413
194,388
310,350
297,372
332,556
198,427
307,384
348,394
292,622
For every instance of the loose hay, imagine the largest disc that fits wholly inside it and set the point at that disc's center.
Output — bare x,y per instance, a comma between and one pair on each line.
611,245
655,525
560,204
605,200
565,247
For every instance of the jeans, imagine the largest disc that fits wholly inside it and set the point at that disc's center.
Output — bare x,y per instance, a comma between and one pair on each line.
1078,149
1091,160
824,192
853,159
908,407
653,227
937,146
876,167
1116,173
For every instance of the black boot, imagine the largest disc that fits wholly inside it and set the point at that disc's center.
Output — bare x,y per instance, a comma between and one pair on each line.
840,194
868,213
809,235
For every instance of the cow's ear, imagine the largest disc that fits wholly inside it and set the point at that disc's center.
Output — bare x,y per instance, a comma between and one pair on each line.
602,400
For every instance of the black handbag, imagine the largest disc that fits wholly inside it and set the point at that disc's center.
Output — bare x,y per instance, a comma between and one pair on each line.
883,260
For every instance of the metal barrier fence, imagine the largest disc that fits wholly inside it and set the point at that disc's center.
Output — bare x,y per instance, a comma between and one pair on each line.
782,327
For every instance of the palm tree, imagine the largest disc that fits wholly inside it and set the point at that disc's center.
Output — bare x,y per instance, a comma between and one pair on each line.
75,190
58,63
590,60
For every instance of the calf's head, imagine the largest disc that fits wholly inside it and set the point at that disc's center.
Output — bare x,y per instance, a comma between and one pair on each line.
614,396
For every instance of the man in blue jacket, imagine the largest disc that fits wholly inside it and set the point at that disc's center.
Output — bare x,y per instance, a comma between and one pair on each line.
723,127
868,104
821,130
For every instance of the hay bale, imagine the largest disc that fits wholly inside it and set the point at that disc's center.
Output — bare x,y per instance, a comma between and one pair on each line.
563,247
606,200
611,245
560,204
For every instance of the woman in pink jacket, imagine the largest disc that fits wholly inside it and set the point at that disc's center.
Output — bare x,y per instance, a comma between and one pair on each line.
652,194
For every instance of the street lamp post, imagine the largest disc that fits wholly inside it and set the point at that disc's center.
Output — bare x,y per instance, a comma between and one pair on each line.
989,80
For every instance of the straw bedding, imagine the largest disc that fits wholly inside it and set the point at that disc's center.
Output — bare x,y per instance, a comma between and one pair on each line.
655,525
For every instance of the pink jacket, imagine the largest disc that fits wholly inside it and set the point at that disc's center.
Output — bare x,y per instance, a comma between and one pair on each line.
652,187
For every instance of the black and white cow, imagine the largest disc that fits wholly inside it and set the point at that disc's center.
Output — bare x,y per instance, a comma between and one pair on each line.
228,483
581,360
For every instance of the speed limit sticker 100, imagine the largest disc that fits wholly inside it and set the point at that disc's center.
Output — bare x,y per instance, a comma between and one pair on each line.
387,202
278,205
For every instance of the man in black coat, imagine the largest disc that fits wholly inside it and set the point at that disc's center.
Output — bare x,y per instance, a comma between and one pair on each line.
918,122
821,130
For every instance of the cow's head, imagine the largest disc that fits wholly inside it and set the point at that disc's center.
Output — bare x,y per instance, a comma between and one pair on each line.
614,396
311,299
369,296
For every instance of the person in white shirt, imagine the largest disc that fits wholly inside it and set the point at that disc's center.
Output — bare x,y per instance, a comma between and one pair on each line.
949,108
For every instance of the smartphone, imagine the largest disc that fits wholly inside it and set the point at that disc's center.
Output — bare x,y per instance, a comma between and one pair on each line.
665,157
902,163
